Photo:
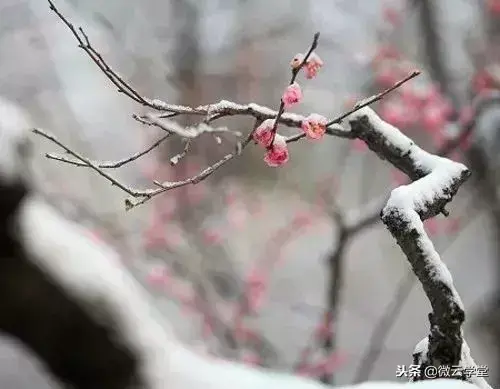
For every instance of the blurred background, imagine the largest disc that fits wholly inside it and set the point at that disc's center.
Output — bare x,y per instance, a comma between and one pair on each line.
256,264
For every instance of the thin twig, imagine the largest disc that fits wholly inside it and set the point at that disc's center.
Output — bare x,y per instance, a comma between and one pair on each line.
108,164
85,45
87,162
374,98
295,72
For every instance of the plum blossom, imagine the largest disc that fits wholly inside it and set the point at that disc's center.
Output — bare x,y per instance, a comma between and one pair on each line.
263,135
292,95
297,60
312,66
256,289
314,126
494,7
277,154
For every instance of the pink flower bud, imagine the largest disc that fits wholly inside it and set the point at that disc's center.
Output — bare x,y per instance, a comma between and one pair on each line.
292,95
277,154
297,60
312,66
263,134
314,126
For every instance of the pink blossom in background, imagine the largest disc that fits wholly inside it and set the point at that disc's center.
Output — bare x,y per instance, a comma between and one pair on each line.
482,81
432,226
453,225
386,52
385,75
158,276
494,7
302,219
393,113
292,95
434,118
165,206
237,216
350,102
263,134
256,287
324,327
398,177
297,60
466,115
150,169
328,364
243,334
314,126
213,236
250,358
95,235
173,236
313,65
277,155
196,193
359,145
392,16
154,235
207,327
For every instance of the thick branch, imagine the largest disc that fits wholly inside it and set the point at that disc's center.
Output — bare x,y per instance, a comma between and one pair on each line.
436,182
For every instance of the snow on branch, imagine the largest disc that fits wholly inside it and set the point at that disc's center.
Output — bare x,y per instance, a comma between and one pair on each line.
313,126
435,181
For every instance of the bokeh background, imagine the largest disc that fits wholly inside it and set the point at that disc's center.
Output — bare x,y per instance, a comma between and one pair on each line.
250,231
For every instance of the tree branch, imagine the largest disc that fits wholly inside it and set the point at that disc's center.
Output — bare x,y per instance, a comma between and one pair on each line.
436,182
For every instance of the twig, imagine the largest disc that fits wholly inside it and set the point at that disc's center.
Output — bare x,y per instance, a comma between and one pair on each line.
295,72
373,99
85,45
87,162
107,165
145,195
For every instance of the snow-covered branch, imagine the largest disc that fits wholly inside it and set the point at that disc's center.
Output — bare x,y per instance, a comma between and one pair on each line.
435,181
163,113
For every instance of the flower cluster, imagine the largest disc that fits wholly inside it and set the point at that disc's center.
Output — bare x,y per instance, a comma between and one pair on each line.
314,126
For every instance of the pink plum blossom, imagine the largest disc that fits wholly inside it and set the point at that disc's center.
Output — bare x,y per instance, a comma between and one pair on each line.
277,154
312,66
292,95
314,126
263,134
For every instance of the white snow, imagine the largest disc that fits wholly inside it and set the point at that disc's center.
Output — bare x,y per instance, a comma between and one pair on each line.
88,269
465,361
14,127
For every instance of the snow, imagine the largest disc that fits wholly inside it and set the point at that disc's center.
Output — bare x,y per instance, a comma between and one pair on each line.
88,269
391,133
14,125
465,361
